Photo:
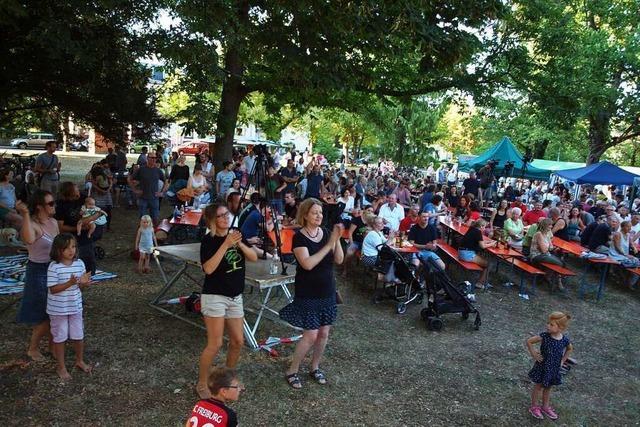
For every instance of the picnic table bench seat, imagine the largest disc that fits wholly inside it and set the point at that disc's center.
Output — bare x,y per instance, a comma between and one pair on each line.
558,269
453,254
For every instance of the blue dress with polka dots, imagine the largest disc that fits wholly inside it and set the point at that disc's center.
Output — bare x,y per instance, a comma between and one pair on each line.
547,372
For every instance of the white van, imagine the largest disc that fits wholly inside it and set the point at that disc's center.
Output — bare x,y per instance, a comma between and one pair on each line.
33,140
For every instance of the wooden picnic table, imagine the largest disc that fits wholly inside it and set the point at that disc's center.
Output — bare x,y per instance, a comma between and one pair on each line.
574,248
190,217
406,249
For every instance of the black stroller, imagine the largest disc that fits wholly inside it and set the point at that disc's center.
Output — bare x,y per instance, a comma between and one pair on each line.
407,290
444,297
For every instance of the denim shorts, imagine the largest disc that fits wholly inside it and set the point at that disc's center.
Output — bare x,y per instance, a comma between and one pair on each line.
466,255
425,256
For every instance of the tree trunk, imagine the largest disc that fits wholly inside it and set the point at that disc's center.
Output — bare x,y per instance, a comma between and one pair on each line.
401,130
598,136
233,93
540,149
634,155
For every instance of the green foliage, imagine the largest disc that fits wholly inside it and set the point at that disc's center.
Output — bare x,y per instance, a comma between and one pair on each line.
528,129
307,53
267,114
77,58
577,64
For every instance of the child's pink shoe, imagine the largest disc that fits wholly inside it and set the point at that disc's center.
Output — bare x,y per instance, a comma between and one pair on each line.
536,412
549,412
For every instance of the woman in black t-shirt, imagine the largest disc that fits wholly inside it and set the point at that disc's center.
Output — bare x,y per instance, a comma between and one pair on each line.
222,255
471,244
462,209
314,306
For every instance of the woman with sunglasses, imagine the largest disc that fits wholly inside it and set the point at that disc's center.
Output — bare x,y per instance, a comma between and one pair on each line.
38,230
222,253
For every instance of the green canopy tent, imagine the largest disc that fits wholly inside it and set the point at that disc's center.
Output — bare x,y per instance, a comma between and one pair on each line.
553,166
503,152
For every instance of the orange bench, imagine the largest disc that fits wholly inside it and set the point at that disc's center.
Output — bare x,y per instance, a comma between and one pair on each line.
286,240
635,271
558,269
453,254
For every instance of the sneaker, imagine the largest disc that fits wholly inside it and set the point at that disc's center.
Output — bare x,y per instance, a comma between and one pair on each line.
471,297
549,412
508,284
524,296
536,411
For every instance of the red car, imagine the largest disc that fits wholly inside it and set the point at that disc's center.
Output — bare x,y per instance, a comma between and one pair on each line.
193,147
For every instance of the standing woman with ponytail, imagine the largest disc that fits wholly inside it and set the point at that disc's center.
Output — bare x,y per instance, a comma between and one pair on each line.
38,230
222,254
314,306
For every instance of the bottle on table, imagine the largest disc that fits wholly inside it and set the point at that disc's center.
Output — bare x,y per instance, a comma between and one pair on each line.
273,265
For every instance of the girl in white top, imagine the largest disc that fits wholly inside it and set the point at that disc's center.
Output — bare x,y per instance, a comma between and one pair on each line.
65,277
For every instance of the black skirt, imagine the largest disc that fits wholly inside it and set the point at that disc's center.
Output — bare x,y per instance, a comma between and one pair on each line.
310,313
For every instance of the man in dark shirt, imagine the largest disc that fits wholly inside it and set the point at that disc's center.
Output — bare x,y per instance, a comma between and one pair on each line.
68,215
121,159
111,159
599,241
149,178
588,231
598,209
423,236
290,207
289,175
314,180
471,185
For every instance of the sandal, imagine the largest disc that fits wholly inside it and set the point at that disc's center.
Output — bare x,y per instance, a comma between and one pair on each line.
318,375
294,380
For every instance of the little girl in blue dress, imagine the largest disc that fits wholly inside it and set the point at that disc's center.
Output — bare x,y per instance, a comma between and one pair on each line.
555,349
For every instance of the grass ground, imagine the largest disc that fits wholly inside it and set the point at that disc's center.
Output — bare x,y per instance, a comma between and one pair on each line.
383,369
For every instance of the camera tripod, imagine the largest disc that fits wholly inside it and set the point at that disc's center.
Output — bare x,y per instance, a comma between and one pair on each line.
258,177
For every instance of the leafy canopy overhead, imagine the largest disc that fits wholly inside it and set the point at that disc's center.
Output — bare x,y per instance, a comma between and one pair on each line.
78,57
313,52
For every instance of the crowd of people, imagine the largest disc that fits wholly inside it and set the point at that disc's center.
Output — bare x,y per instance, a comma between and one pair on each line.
374,204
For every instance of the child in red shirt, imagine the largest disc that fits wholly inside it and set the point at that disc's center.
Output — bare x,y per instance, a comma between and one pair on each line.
225,387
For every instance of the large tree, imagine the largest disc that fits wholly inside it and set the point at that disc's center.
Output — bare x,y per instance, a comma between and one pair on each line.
77,58
580,62
318,52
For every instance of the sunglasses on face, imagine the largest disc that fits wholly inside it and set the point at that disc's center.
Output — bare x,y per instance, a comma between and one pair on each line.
51,203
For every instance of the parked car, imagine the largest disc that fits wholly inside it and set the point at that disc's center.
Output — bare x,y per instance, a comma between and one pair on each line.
136,146
193,147
32,140
79,145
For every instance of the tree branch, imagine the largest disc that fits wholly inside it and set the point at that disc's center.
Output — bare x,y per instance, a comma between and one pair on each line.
27,107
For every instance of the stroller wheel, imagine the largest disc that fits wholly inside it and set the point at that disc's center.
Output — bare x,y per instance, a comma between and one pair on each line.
99,252
401,308
377,298
419,298
465,315
435,323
